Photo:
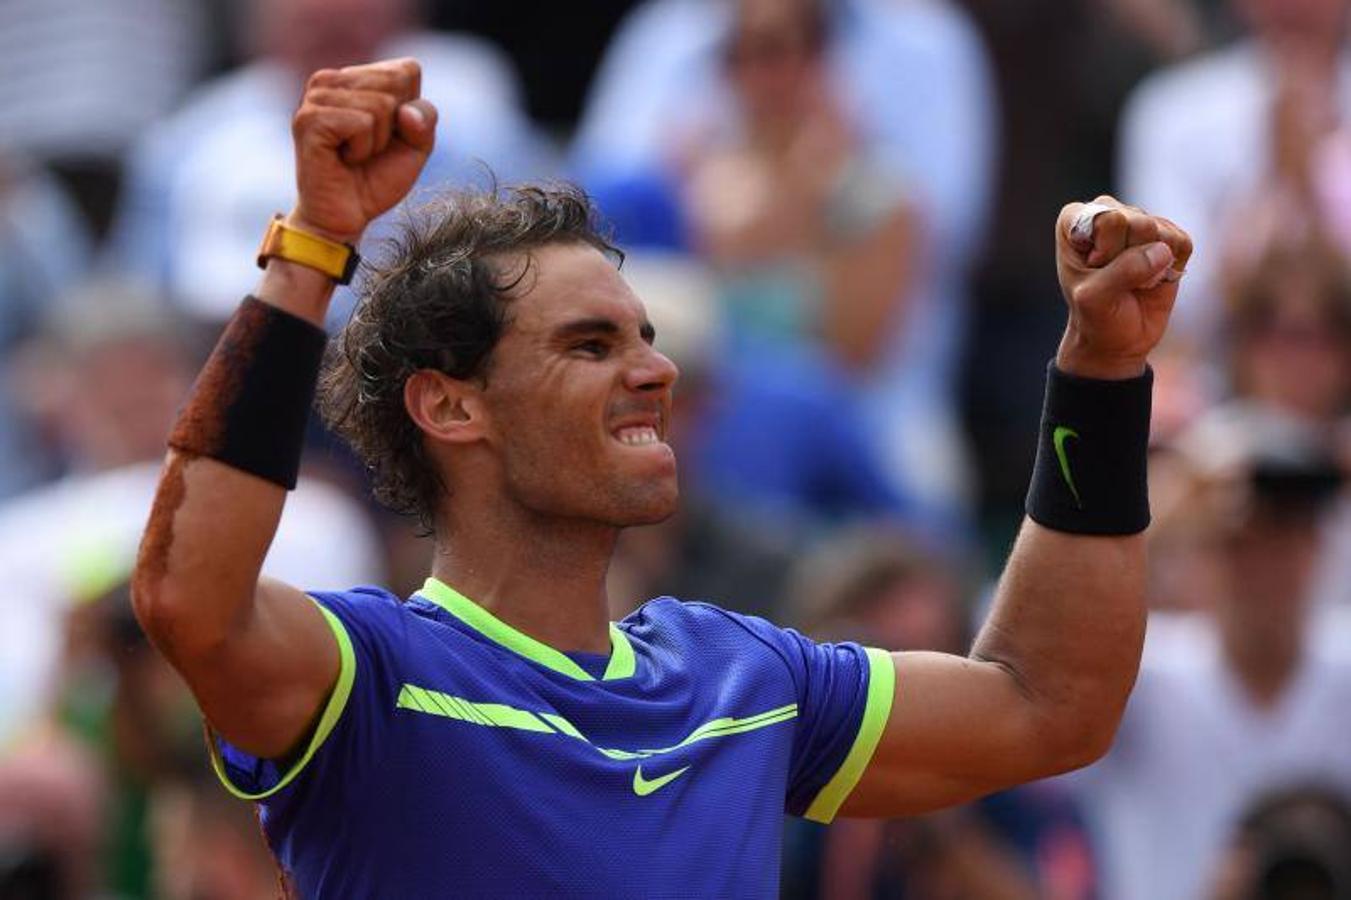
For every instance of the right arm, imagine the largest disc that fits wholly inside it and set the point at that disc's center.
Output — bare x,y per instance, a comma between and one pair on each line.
256,653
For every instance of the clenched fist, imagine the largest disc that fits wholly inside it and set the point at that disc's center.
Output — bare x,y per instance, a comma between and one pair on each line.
362,135
1119,271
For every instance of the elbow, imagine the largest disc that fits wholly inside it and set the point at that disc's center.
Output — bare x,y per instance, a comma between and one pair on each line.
1086,748
152,603
1079,737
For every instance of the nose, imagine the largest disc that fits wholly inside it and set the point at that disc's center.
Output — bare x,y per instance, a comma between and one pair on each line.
651,370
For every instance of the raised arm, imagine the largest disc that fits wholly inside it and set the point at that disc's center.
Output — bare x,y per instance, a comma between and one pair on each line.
258,655
1044,687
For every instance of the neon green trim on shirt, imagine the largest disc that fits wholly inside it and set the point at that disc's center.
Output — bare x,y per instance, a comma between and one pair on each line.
876,711
499,715
337,702
622,662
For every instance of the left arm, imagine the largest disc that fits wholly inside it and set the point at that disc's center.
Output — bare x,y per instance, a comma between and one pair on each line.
1047,680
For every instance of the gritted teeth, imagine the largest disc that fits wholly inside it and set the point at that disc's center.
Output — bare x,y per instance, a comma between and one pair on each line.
637,435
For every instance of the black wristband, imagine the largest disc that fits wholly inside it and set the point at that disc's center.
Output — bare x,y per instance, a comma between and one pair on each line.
1090,473
250,404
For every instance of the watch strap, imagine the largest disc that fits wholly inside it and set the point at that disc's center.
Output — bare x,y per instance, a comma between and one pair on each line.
337,261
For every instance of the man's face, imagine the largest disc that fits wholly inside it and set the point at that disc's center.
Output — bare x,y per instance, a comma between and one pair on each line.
578,399
1270,561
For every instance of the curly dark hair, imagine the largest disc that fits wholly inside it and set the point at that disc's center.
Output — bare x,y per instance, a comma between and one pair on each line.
439,300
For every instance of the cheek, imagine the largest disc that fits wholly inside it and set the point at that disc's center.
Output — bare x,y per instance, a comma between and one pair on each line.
548,427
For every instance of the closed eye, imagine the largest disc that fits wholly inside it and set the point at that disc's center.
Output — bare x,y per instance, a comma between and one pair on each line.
594,348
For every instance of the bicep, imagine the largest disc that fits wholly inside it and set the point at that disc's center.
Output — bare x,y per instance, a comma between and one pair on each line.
959,728
262,687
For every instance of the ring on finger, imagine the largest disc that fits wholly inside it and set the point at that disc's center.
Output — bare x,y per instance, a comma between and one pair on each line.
1081,231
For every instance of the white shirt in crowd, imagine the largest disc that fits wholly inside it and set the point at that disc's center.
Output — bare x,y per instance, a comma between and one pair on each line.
1194,753
62,539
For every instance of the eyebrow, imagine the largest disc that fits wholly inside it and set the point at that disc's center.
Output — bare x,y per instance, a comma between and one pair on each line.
601,325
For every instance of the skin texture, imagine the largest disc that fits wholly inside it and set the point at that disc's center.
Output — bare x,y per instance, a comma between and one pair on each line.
539,484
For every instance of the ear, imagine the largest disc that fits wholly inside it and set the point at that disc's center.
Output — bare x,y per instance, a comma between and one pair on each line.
447,409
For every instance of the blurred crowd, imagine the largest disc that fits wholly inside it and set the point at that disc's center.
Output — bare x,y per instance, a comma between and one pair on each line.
839,213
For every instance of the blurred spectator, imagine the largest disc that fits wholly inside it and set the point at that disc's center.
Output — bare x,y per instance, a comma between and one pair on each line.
1289,362
771,432
44,250
209,845
51,794
80,80
112,376
1242,698
914,99
1292,845
1289,334
1227,144
813,240
883,589
203,184
168,829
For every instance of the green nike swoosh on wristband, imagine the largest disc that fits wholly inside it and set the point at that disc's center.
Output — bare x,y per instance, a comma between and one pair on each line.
1061,433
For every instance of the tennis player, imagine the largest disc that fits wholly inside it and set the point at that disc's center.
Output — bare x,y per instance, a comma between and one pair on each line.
495,734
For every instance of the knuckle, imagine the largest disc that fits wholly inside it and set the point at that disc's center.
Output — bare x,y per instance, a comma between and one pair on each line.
1080,294
322,78
1107,200
302,120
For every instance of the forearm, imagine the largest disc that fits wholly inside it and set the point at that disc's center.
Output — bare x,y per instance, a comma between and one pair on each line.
1069,616
211,523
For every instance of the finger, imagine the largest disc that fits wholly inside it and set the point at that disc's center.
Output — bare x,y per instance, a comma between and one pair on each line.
1139,268
382,107
349,131
328,128
417,125
400,78
1179,242
1077,221
1117,230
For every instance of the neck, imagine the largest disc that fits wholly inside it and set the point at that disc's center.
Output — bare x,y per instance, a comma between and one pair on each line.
1264,663
542,576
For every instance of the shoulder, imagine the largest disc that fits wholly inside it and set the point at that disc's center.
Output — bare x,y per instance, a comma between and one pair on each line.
366,600
718,636
694,616
367,612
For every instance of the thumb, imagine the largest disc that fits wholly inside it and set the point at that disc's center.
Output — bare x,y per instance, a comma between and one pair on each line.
1136,269
416,122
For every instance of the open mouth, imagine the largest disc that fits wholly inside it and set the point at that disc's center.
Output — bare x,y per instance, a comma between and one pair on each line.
637,435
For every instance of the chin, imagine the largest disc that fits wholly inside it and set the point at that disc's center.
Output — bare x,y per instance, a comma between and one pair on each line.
657,503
